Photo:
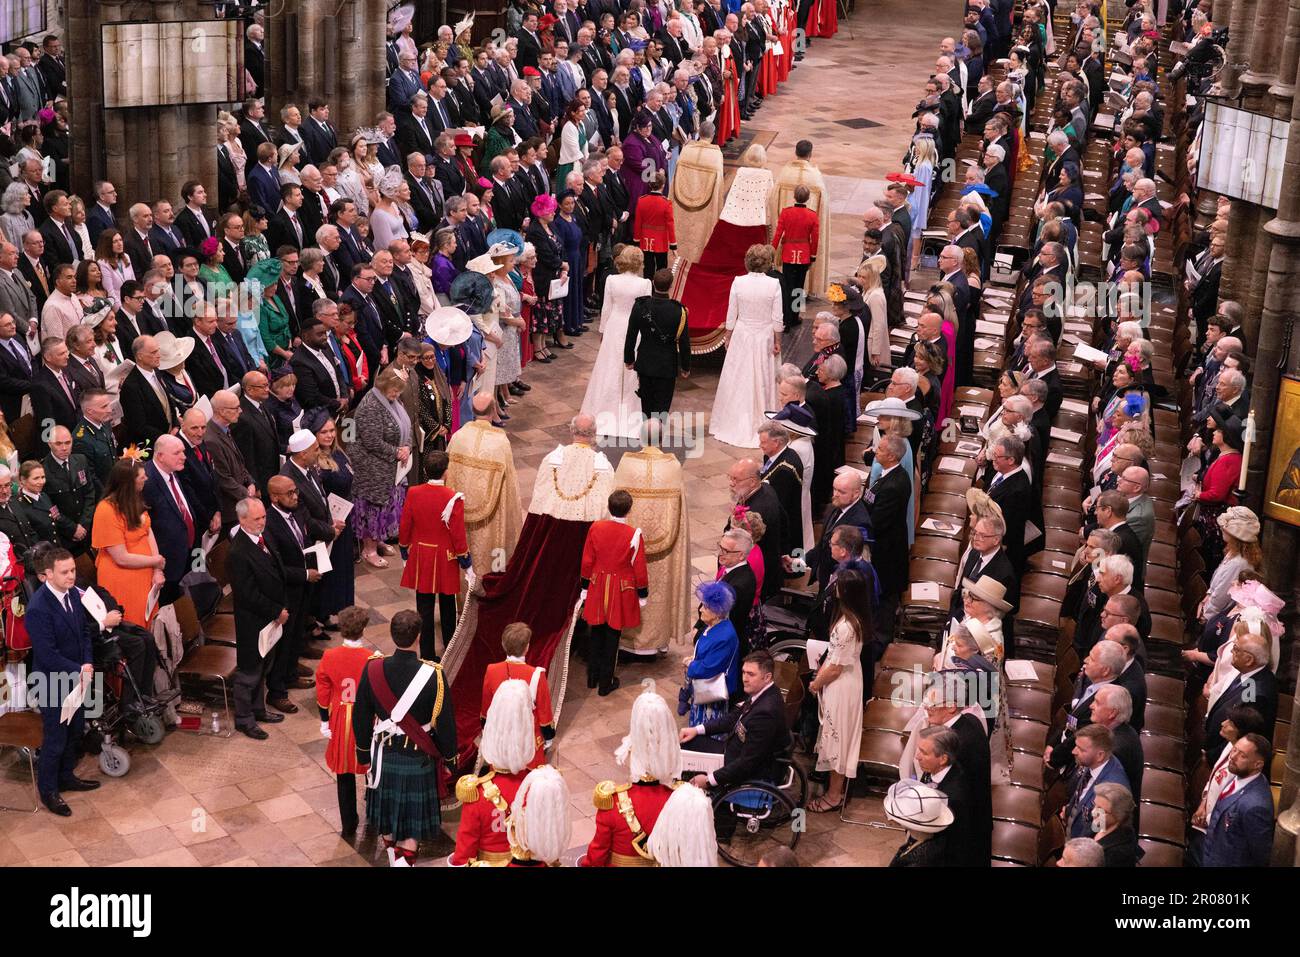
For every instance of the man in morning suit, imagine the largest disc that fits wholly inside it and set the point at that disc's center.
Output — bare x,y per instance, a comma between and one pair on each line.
171,512
255,431
658,345
257,582
748,490
1254,683
891,493
1013,491
937,751
846,508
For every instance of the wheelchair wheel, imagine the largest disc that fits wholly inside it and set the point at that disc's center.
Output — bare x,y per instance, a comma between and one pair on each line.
148,728
788,648
114,761
752,819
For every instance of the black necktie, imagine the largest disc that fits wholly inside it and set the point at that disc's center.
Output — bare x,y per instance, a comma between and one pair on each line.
927,778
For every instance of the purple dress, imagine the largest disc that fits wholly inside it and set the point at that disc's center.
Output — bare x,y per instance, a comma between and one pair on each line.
444,271
642,157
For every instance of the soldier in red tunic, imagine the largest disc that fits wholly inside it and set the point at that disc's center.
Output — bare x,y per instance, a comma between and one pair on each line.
653,229
797,234
539,825
614,586
433,532
337,680
626,813
482,838
515,638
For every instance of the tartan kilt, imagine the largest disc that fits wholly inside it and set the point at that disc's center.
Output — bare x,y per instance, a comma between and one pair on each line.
405,803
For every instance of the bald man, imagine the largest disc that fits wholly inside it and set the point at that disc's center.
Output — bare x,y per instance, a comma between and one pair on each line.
234,481
286,537
73,488
171,512
750,491
197,477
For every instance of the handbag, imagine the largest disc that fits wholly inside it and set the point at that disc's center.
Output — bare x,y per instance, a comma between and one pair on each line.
712,690
709,690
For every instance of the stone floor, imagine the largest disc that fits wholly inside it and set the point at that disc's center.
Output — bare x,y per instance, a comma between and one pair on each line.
199,800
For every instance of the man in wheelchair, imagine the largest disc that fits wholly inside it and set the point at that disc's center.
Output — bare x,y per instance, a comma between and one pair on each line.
752,737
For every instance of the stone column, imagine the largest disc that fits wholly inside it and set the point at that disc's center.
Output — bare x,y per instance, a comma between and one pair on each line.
1279,349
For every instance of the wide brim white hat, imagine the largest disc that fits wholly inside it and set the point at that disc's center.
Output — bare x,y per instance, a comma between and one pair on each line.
918,807
171,350
448,326
484,264
893,407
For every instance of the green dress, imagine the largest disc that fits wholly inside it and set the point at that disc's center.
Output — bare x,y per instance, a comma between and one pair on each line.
216,276
255,248
495,143
273,325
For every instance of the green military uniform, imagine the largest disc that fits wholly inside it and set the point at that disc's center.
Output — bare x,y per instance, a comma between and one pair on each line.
98,445
74,490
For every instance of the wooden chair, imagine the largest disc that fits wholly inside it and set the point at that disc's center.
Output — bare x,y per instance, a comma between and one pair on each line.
1015,842
904,655
1161,719
23,730
1160,823
1027,770
1029,737
209,663
1159,854
1164,787
1163,753
881,714
1164,690
1017,804
881,752
1029,704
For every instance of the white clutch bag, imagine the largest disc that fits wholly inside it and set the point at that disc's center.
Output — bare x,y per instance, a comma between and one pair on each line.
709,690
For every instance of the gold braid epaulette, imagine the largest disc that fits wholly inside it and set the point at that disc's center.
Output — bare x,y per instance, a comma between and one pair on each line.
603,796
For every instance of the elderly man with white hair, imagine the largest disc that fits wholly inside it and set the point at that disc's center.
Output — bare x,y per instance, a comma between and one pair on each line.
1251,681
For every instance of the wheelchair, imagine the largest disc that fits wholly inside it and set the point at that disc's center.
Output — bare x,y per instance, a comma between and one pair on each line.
754,817
142,718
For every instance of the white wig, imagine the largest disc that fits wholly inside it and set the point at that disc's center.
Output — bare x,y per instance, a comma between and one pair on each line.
539,818
683,835
653,745
508,743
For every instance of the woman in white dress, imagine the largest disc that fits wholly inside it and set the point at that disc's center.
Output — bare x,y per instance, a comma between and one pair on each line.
611,390
838,686
747,386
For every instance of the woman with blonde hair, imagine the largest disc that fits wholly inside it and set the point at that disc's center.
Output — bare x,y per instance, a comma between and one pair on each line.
922,162
873,294
8,451
611,391
357,177
228,136
754,324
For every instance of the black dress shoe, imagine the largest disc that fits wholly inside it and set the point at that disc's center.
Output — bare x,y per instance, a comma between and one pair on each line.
313,653
301,684
592,679
609,688
524,386
330,625
283,704
75,783
56,805
268,717
567,345
514,389
304,671
254,732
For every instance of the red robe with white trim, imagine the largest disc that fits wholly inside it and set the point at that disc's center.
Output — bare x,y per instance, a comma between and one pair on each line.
431,566
614,575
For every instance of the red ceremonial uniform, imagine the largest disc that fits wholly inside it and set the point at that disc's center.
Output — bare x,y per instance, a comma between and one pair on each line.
797,235
485,805
516,668
337,680
624,813
614,575
435,544
653,229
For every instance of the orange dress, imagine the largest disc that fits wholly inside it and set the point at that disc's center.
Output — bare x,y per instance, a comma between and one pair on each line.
130,586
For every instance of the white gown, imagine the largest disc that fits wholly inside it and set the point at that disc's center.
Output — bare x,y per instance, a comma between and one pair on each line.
611,391
747,386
